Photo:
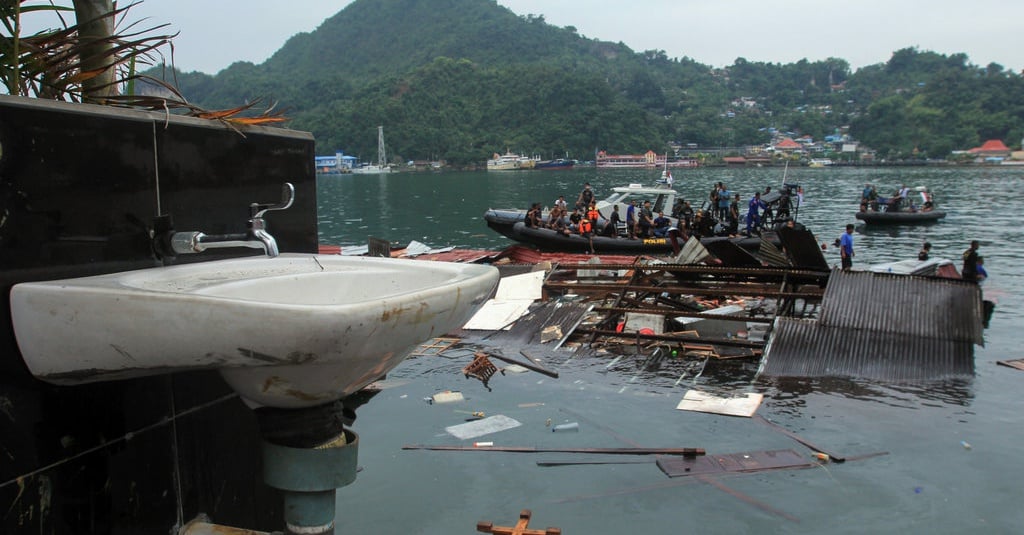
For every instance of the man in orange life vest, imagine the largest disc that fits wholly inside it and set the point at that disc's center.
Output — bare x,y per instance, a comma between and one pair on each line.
593,214
586,230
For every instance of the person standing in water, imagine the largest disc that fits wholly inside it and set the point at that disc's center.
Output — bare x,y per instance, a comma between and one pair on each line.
846,248
970,269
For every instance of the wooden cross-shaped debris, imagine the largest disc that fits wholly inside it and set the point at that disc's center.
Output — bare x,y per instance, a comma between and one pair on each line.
521,527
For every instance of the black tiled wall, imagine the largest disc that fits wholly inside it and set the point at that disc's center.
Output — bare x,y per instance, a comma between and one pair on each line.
80,186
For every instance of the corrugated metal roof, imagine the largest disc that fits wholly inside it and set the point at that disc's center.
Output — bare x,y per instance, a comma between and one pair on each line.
692,252
771,255
527,330
806,348
881,326
917,307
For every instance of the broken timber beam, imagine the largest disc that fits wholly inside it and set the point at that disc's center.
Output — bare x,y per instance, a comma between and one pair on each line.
686,314
702,269
670,338
764,291
527,365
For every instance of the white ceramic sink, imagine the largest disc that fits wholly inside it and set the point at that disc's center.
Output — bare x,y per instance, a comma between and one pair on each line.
291,331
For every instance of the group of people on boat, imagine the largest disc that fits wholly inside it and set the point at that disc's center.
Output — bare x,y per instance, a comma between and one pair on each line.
725,207
586,220
901,200
720,215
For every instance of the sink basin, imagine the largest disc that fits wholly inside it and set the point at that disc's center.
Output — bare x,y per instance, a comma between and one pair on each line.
292,331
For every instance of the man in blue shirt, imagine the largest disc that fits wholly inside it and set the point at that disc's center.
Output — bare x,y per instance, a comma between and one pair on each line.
723,204
754,208
846,247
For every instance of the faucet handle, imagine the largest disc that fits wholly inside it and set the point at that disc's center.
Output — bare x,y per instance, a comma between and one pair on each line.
287,197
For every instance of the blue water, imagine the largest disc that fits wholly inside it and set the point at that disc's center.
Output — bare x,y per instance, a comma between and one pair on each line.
952,463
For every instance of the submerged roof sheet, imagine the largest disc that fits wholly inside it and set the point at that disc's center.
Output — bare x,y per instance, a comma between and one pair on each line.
946,309
882,326
805,348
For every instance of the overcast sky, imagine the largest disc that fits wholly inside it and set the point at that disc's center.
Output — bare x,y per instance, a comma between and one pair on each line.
216,33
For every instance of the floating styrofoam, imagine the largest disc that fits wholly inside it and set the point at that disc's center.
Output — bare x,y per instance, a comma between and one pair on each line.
496,314
524,286
447,397
479,428
698,401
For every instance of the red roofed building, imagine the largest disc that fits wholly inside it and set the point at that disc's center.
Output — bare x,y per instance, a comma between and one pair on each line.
788,145
991,148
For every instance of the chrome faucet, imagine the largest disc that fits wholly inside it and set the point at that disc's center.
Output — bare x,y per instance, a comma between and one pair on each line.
255,237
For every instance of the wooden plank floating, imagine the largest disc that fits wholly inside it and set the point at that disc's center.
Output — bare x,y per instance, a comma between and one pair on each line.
832,455
577,463
686,452
1015,363
755,461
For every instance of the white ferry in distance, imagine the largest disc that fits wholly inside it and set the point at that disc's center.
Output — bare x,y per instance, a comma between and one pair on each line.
509,162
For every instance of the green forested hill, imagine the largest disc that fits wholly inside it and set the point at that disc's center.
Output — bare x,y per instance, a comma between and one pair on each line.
462,79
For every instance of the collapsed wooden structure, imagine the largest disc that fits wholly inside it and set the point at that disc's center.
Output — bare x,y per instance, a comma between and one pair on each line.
677,292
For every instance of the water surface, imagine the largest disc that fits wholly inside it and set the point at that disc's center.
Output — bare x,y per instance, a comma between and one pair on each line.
929,482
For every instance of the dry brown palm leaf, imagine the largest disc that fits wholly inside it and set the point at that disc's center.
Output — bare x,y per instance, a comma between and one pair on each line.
49,64
256,121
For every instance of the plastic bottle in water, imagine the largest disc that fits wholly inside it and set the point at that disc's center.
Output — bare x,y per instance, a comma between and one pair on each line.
571,426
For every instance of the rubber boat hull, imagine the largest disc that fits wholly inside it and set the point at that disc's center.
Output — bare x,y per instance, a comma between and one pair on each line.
510,224
900,218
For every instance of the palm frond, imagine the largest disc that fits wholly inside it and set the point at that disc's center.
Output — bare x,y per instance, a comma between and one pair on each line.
49,64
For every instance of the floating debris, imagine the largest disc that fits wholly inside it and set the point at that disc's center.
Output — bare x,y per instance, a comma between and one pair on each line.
745,405
485,426
447,396
521,527
481,368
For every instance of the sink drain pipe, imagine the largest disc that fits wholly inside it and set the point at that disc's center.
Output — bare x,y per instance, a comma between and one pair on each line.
309,479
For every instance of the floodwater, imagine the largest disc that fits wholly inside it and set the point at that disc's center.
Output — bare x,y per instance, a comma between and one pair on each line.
952,462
